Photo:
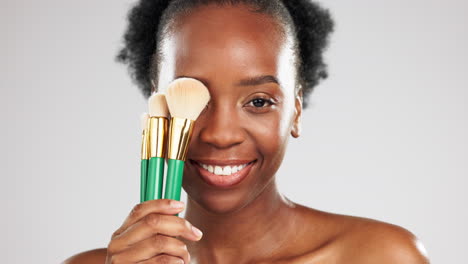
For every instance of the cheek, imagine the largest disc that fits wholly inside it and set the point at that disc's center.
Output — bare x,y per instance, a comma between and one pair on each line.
270,133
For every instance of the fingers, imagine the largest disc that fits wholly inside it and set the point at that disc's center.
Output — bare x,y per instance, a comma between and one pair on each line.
163,259
161,206
148,235
153,224
151,249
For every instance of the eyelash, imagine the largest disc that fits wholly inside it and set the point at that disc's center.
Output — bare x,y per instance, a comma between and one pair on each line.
262,109
267,101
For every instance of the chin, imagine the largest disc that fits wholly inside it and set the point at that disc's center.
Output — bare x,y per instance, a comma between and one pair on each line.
219,202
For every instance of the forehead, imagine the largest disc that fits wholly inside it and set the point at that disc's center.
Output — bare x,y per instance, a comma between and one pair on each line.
230,39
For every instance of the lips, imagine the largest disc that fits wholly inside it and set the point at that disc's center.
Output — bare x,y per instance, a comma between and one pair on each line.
223,174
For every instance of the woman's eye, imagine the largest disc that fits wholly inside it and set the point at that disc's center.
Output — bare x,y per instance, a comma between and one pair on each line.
260,102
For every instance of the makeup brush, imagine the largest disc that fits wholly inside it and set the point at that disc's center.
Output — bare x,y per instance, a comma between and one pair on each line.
144,156
186,98
158,125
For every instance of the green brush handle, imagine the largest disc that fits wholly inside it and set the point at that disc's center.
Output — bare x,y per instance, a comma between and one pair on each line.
175,173
143,173
154,181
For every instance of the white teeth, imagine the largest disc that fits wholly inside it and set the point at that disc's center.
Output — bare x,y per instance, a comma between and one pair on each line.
218,170
225,170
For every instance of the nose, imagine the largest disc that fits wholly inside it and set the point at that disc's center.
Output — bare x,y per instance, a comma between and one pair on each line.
221,128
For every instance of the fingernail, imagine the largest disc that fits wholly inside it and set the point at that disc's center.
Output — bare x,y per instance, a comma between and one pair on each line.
197,231
176,204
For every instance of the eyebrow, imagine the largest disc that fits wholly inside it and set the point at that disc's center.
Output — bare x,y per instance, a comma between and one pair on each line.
251,81
258,80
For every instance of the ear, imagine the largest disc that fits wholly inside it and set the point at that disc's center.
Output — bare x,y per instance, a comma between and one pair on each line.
296,126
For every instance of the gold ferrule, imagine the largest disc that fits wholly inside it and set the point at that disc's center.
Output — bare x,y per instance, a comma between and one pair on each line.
179,138
144,144
157,136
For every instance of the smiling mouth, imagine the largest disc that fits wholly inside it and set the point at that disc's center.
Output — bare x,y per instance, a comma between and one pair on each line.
223,170
223,173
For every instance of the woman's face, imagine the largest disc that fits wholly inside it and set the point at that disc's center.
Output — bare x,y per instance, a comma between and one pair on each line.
247,63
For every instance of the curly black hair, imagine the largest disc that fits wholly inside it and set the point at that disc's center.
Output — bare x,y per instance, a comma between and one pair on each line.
309,23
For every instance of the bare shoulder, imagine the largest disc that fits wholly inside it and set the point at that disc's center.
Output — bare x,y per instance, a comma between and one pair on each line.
95,256
350,239
371,241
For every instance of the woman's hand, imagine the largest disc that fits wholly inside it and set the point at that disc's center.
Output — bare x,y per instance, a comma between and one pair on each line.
148,235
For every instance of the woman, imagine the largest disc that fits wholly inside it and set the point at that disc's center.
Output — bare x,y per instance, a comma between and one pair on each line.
260,60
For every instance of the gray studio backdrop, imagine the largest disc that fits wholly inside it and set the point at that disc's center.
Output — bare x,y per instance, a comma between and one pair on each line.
385,136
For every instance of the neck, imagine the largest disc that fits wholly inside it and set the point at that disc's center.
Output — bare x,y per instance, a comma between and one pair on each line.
253,231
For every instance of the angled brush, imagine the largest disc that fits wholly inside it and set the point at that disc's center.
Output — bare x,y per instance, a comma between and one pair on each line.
144,155
158,126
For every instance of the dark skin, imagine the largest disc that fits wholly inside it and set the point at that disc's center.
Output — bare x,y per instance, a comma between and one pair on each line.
251,222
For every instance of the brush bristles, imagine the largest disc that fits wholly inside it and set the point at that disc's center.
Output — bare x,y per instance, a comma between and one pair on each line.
158,105
186,98
144,121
